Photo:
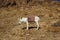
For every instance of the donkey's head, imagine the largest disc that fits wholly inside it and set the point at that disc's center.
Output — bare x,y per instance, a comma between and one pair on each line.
20,20
23,19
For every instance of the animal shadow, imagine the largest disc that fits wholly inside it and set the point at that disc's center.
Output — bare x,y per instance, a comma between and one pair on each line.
31,27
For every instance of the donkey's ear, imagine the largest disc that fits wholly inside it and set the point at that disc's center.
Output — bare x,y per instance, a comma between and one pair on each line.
38,16
21,17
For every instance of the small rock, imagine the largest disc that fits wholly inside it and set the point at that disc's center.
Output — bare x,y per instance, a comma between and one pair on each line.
27,34
42,35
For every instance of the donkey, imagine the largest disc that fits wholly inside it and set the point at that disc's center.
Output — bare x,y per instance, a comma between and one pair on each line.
30,19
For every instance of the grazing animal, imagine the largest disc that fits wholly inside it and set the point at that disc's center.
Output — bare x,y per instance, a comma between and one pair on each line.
30,19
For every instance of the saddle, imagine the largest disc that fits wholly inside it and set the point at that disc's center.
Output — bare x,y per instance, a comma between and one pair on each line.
30,19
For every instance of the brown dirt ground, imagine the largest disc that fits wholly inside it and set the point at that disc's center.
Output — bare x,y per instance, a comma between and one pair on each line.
11,30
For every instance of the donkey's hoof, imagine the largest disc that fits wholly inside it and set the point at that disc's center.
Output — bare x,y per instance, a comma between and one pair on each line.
27,29
37,29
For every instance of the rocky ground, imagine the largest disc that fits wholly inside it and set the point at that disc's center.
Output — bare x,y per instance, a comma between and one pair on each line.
49,23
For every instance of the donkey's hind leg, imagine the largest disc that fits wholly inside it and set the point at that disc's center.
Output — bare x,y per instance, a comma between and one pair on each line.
37,25
27,25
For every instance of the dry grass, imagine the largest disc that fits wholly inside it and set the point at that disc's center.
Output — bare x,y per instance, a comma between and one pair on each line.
11,30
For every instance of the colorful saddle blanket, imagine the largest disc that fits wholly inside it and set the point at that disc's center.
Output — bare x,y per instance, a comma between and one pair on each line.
31,19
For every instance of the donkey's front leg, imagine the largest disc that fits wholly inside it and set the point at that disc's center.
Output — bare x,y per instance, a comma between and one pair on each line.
27,25
37,25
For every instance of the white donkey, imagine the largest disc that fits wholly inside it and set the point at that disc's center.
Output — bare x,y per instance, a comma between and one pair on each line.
31,19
